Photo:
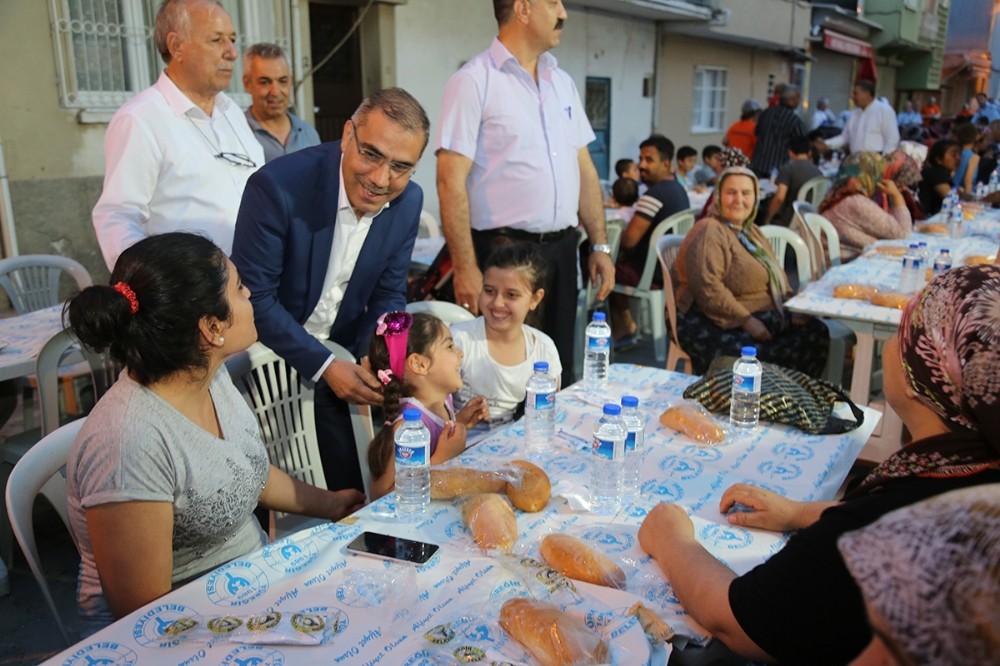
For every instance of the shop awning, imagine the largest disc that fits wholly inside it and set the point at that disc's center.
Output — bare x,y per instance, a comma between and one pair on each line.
851,46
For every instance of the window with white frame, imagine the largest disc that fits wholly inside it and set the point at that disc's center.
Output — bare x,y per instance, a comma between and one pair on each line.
708,103
105,54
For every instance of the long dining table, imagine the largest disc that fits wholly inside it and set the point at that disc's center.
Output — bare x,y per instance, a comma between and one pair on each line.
879,267
446,611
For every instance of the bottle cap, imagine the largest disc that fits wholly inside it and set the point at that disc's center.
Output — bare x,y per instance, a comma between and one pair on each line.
411,414
749,351
600,316
630,401
945,250
612,409
541,366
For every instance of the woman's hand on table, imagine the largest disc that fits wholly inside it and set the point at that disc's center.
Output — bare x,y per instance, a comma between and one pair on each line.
767,510
755,327
474,411
663,526
345,502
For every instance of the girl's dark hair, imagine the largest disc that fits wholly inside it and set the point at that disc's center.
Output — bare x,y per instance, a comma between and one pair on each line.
424,332
523,257
937,151
177,278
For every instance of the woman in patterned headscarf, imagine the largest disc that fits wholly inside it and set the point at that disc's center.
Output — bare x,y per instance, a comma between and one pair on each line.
902,169
730,156
849,205
942,376
730,288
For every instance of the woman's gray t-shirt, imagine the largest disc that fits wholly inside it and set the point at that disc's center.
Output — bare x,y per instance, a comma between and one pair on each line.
136,447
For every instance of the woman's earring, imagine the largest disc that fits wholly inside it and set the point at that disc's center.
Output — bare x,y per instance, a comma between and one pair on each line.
221,341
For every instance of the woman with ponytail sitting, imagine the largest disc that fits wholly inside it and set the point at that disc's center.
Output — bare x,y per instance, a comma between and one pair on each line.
165,474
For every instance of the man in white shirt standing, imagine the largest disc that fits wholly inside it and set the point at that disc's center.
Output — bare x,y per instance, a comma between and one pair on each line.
872,125
513,165
178,154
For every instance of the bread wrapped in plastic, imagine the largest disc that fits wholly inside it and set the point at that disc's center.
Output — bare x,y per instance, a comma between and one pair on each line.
976,259
575,559
891,250
656,629
553,637
491,521
890,299
450,482
694,423
531,489
859,291
932,228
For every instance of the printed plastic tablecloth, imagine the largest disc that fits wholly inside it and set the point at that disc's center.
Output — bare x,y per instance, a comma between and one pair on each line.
23,336
446,611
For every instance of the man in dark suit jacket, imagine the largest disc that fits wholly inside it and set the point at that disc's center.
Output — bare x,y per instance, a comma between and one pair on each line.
324,256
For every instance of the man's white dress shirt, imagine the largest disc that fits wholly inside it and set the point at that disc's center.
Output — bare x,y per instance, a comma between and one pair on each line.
161,173
871,128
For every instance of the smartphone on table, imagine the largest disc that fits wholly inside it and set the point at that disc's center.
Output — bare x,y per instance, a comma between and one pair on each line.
400,549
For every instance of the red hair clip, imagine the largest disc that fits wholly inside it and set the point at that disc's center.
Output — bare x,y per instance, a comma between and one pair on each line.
126,291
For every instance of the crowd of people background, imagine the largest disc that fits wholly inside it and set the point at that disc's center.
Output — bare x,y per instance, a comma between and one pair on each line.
292,242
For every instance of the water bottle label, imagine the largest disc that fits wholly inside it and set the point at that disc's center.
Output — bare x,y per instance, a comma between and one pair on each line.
605,448
630,442
411,456
598,344
749,383
545,401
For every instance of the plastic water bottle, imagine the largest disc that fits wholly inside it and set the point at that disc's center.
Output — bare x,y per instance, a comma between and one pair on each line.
942,263
540,409
994,180
744,411
413,466
980,191
635,430
597,354
909,277
607,465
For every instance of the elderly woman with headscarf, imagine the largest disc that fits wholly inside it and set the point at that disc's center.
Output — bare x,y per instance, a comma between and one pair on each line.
730,288
729,157
802,606
849,205
930,577
902,169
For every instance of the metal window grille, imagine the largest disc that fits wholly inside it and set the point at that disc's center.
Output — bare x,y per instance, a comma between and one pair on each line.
105,54
708,103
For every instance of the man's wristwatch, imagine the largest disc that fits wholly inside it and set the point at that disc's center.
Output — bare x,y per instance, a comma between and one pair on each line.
601,247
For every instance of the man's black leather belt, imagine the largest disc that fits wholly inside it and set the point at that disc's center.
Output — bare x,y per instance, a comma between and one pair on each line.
521,235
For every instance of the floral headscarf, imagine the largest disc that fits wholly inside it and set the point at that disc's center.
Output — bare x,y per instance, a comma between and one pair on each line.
949,341
902,169
734,157
949,347
749,234
867,167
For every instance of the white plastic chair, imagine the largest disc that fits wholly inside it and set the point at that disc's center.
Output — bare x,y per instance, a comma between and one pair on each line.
361,417
814,190
38,473
447,312
651,300
32,280
586,299
781,238
666,252
429,226
842,338
817,254
827,233
283,405
103,373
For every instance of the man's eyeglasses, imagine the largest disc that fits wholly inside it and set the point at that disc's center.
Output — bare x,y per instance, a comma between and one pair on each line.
376,160
237,159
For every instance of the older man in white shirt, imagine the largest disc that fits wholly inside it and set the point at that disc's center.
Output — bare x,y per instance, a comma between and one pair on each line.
178,154
872,125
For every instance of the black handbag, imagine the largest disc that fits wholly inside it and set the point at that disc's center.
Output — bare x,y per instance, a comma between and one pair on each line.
787,396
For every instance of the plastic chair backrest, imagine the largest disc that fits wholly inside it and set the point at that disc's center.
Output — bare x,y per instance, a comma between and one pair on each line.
814,190
32,280
678,223
429,226
283,405
103,370
666,253
449,313
361,415
38,472
824,229
781,239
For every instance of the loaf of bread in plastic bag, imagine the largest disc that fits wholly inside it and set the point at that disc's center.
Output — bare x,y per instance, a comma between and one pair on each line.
552,636
575,559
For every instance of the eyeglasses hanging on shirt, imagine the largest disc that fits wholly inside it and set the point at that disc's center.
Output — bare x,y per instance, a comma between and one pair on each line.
237,159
